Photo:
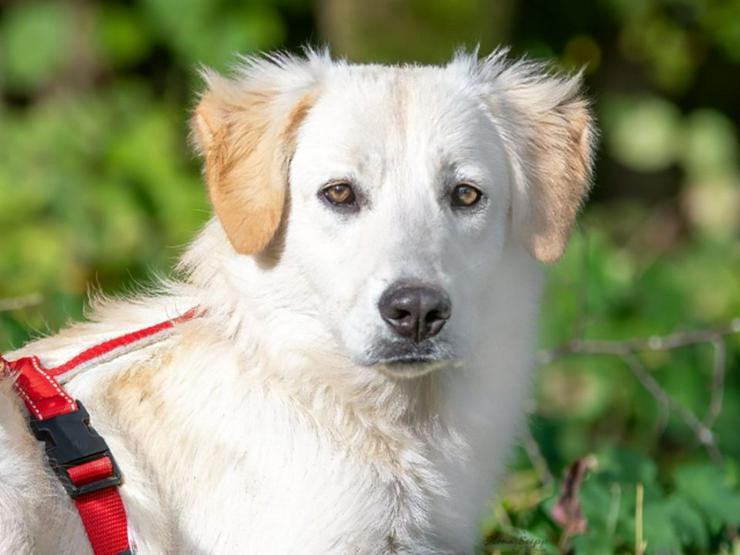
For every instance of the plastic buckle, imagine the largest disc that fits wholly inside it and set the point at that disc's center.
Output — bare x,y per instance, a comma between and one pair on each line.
71,441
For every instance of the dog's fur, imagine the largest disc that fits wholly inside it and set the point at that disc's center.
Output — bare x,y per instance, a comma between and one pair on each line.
274,423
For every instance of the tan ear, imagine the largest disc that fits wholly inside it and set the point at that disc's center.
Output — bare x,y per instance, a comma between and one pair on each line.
558,174
548,132
246,131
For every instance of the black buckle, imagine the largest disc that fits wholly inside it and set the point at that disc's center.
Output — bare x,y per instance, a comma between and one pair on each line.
71,441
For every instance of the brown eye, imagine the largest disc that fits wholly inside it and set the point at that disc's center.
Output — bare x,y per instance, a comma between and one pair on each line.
339,194
465,196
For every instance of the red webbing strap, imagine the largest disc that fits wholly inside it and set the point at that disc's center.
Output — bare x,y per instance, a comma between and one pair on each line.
106,347
102,511
43,396
104,518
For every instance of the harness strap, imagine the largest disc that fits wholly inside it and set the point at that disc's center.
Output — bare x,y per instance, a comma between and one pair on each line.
81,458
113,348
104,517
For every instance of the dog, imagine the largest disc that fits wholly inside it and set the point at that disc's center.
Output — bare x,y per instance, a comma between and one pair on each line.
367,296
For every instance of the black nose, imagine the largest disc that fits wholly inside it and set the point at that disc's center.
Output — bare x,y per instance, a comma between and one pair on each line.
415,311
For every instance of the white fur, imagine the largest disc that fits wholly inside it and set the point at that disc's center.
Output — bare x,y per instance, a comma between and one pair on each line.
261,427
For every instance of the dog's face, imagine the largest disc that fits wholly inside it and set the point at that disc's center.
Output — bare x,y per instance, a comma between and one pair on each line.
398,204
394,192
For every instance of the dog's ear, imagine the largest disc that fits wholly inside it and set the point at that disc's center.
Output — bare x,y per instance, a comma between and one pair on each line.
245,128
548,132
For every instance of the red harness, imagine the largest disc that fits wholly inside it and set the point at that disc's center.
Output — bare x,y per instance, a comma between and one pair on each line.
77,454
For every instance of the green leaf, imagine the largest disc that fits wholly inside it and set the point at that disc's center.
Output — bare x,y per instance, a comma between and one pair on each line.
711,492
658,527
642,132
689,526
710,148
623,465
34,40
122,35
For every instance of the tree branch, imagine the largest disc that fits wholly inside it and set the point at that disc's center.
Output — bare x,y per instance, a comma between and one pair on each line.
627,350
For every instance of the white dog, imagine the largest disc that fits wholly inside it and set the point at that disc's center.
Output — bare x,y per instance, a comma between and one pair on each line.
367,300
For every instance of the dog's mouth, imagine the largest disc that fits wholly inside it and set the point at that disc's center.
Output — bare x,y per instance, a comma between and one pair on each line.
406,362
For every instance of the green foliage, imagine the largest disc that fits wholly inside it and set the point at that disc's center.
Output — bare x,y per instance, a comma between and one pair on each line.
35,37
202,31
595,404
687,510
98,188
644,131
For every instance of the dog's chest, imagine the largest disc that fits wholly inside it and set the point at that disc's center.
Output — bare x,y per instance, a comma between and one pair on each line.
293,496
266,474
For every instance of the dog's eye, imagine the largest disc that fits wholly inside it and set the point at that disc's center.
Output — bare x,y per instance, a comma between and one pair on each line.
465,196
339,194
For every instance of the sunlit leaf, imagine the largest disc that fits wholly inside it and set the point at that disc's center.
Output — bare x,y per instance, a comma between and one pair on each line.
34,42
642,132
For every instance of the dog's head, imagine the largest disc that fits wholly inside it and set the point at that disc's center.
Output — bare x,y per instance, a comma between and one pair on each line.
395,193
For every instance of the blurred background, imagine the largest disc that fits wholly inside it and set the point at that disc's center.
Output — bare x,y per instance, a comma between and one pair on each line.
638,394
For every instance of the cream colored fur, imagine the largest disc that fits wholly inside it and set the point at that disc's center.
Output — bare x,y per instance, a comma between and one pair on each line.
264,426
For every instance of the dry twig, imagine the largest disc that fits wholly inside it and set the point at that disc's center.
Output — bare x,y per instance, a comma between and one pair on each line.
17,303
567,511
